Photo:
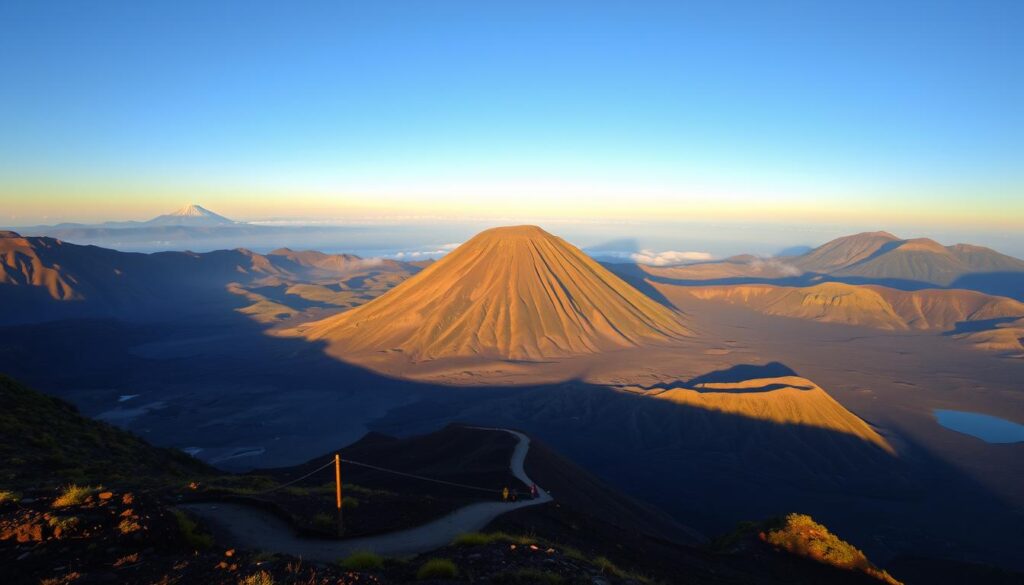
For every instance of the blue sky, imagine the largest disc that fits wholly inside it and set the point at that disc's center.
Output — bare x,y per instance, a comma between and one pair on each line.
754,111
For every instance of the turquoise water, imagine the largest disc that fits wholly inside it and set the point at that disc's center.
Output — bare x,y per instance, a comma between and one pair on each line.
990,429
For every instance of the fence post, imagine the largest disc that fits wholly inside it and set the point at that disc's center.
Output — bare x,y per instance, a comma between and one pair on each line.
337,481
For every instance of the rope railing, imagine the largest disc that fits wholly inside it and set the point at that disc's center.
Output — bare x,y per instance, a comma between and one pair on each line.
381,469
295,481
422,478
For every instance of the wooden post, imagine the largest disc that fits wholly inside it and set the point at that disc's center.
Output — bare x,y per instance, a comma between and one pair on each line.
337,481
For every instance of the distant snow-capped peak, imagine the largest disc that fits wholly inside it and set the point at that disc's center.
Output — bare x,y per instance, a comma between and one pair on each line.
193,210
191,215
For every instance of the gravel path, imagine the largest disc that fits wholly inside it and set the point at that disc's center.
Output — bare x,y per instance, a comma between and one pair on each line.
253,528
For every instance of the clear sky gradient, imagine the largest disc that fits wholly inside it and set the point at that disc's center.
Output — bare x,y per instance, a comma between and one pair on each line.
864,113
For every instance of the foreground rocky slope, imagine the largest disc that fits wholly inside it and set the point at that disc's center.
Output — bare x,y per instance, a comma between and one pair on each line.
117,528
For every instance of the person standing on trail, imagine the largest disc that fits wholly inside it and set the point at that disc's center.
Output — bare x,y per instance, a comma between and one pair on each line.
504,494
533,491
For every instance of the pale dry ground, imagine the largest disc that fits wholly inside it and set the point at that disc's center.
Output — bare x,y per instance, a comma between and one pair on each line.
514,293
985,321
894,380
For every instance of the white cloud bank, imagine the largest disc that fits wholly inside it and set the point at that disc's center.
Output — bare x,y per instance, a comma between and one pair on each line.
668,257
774,265
652,258
423,254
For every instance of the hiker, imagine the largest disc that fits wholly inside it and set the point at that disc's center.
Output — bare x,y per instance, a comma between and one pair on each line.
533,491
515,495
504,494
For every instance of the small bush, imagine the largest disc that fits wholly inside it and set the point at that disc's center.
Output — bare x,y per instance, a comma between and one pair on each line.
65,523
349,503
128,526
437,569
799,534
363,561
190,532
74,495
9,497
261,578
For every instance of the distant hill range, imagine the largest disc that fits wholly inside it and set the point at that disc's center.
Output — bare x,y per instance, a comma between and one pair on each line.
46,279
868,258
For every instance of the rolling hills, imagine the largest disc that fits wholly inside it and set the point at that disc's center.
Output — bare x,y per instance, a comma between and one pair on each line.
872,306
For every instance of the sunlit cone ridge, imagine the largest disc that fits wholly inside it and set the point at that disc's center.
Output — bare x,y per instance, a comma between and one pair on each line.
512,292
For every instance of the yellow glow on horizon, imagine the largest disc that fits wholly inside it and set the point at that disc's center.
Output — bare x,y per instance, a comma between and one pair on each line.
46,202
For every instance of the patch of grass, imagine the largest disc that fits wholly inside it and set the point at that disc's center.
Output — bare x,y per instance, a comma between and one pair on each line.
482,538
437,569
190,532
9,497
608,568
573,553
324,521
529,577
128,526
349,503
261,578
363,561
65,523
74,495
799,534
473,539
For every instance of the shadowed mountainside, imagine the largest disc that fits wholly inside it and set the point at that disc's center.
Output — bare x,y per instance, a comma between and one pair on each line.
514,293
44,279
47,443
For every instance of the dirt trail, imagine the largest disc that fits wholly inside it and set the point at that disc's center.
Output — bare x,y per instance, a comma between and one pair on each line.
252,528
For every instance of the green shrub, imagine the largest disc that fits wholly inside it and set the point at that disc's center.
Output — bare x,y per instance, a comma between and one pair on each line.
74,495
437,569
363,561
349,503
8,496
190,532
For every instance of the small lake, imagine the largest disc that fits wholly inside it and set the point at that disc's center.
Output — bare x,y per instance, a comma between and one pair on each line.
990,429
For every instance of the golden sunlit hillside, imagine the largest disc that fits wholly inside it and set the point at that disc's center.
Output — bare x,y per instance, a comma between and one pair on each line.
514,293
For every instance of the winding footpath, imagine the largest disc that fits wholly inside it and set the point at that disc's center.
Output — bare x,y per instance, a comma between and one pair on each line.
252,528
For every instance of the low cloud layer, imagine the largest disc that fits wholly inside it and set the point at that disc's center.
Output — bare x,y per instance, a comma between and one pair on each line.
652,258
423,254
775,266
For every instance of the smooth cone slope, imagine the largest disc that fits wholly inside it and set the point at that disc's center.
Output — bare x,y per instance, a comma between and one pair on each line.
514,293
785,400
